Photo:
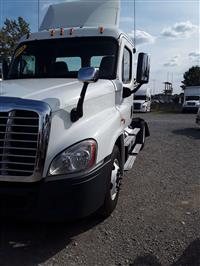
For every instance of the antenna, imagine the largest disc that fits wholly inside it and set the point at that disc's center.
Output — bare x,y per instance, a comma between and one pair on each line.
38,15
134,42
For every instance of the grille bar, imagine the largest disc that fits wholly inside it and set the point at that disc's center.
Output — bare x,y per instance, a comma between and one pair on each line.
20,140
31,164
14,155
4,125
19,134
18,117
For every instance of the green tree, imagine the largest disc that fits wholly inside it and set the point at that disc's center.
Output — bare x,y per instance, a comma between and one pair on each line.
10,34
191,77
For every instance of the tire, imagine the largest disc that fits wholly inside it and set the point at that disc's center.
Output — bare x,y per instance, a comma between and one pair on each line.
115,177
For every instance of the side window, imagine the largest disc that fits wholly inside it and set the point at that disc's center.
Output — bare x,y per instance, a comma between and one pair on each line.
73,63
127,66
27,65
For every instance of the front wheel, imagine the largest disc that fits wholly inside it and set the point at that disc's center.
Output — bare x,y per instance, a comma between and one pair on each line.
115,177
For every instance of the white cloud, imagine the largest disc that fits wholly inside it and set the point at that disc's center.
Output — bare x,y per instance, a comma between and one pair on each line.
195,56
180,30
142,37
172,62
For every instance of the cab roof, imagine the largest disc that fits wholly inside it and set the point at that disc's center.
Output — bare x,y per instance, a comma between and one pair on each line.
60,33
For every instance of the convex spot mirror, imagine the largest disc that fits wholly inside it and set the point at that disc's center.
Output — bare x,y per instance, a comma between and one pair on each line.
88,74
143,68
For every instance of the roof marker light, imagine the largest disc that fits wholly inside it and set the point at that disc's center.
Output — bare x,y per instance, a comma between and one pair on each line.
62,31
101,30
71,31
52,33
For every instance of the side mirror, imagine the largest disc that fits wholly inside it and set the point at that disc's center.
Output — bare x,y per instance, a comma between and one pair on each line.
88,74
143,68
5,69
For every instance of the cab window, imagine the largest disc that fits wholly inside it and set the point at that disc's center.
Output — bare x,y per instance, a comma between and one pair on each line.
73,63
26,66
127,66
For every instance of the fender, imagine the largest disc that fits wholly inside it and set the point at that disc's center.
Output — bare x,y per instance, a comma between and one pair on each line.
104,127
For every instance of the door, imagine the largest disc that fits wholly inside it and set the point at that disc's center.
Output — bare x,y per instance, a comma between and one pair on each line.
125,74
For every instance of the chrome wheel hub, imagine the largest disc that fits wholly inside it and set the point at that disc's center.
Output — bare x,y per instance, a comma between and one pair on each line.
115,177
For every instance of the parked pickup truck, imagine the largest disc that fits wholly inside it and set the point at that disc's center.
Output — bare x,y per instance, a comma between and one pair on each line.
67,131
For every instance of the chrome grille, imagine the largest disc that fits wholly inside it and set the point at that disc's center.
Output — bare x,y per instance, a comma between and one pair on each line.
191,103
19,136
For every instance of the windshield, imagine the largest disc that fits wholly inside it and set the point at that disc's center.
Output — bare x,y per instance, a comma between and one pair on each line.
140,97
62,58
192,98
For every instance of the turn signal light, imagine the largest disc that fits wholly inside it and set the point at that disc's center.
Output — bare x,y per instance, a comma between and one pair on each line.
71,31
52,33
62,32
101,30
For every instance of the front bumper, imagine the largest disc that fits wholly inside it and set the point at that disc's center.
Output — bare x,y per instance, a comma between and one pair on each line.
140,110
67,198
190,108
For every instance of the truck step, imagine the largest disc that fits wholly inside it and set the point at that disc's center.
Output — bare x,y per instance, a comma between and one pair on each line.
129,163
136,149
132,132
128,140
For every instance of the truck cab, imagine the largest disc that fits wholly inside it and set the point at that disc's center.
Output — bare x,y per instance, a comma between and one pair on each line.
142,101
191,99
67,131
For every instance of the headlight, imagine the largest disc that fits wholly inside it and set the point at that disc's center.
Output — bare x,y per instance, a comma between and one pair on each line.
79,157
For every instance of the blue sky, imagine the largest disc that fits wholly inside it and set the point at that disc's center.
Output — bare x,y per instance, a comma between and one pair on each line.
167,29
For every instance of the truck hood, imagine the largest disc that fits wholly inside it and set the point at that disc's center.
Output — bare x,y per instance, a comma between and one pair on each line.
58,93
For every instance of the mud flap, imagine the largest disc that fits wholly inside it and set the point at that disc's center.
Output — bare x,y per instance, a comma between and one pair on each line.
140,123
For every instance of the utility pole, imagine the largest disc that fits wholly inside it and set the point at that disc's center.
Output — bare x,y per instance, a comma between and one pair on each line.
38,15
154,86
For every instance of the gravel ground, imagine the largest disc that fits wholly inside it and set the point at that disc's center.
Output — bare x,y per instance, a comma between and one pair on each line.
156,221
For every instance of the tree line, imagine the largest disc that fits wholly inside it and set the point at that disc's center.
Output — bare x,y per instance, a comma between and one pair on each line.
13,30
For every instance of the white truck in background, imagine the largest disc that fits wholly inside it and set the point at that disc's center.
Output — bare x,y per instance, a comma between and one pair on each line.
142,101
67,131
191,99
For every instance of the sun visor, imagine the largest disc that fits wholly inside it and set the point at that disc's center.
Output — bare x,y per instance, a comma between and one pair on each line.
82,14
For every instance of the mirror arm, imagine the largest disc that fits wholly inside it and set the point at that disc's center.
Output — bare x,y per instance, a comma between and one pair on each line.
137,88
127,92
77,112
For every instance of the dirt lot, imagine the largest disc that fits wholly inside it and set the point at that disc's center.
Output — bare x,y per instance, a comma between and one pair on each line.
157,220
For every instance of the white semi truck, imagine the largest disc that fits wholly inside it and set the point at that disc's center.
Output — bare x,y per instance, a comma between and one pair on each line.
142,101
67,131
191,99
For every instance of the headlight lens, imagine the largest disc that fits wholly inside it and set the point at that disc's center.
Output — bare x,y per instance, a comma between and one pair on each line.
79,157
